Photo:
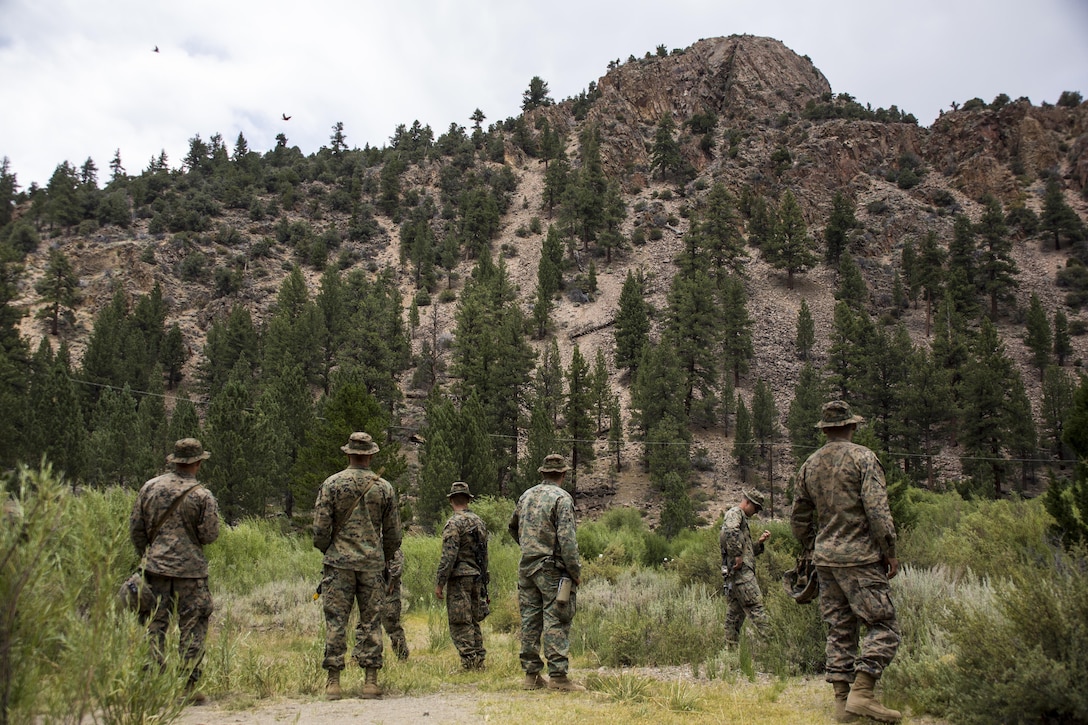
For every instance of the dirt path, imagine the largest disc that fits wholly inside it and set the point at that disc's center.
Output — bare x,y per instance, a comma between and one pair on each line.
433,709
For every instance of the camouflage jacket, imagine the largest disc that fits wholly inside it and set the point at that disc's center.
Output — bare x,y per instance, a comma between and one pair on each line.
459,539
396,565
543,525
368,533
841,507
178,548
736,540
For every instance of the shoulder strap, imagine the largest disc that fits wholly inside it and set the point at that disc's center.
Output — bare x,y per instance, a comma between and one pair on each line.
366,489
165,516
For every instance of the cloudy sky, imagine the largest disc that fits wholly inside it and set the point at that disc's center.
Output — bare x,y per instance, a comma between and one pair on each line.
79,78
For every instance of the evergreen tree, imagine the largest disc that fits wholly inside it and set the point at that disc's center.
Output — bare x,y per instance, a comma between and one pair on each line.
665,155
929,275
1037,337
62,206
113,447
852,289
806,331
295,330
718,231
884,371
844,359
660,391
928,408
736,328
908,266
173,355
577,412
678,513
229,433
1063,348
477,464
809,395
632,324
227,342
600,388
377,349
694,331
59,288
440,463
184,422
1059,389
541,439
989,404
744,443
8,188
1058,218
764,416
615,431
997,269
790,247
536,95
53,420
839,224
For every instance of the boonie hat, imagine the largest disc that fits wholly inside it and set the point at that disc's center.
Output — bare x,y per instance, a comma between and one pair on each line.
554,463
188,450
459,487
756,498
360,444
836,414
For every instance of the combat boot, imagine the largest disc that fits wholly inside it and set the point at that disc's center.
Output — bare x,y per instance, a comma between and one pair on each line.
564,684
332,685
371,691
534,681
842,691
862,701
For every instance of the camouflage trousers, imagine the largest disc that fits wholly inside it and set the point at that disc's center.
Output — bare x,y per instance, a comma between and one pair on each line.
462,608
193,603
543,618
849,598
341,589
745,601
391,612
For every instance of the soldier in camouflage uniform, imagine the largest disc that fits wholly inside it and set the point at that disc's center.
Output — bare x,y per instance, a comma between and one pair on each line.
459,578
739,568
357,527
543,525
841,510
391,608
172,520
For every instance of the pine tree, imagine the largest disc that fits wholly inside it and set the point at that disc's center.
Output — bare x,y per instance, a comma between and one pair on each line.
718,230
790,247
744,443
632,324
600,388
928,408
440,464
660,391
852,289
736,328
806,331
615,431
577,412
962,276
173,355
1059,389
541,439
809,395
1063,348
694,331
1058,218
997,269
1037,337
884,368
52,417
59,288
665,155
839,224
184,422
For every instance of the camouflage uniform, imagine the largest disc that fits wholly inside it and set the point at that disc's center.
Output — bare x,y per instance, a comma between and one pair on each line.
175,568
459,573
391,608
841,509
368,535
543,525
745,598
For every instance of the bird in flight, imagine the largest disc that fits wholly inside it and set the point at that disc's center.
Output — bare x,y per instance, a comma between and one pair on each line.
156,49
286,117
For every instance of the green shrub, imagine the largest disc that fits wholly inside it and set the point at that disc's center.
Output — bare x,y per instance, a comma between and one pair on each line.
255,553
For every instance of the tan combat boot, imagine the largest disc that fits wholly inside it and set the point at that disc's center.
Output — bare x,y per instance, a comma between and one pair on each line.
371,691
564,684
862,701
534,681
842,691
332,685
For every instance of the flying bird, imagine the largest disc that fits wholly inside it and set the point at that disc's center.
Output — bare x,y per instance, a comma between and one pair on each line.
286,117
156,49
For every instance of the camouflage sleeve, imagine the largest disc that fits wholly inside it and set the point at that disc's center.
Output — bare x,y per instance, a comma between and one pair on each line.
208,529
396,566
137,526
451,546
487,554
874,497
391,531
566,535
730,538
802,519
757,548
322,520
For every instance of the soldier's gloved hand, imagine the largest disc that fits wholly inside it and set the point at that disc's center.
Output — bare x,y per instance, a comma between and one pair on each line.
438,591
893,566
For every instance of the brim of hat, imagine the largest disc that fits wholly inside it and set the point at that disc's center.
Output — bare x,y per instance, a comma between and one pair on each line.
842,424
189,459
451,494
357,452
564,469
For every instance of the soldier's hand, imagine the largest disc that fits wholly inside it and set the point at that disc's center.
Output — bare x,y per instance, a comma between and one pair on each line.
893,567
765,535
738,562
438,591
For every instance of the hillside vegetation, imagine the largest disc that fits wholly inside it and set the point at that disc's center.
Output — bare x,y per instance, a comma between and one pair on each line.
662,277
